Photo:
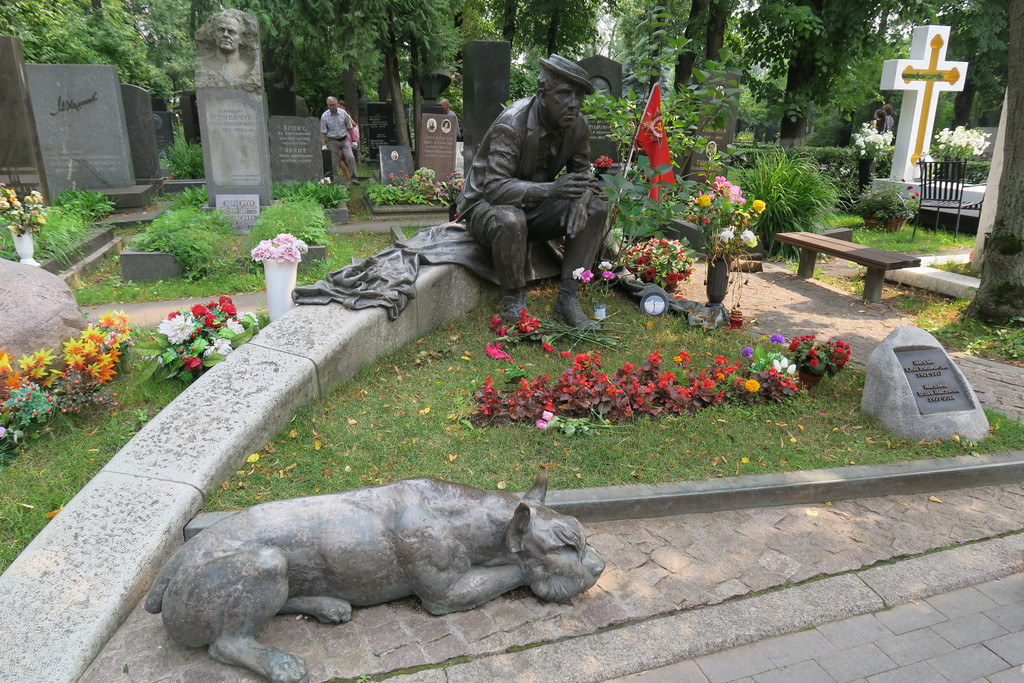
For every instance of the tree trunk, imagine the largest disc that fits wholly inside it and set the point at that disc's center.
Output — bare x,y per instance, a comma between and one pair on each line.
688,59
417,95
793,127
508,20
716,29
1001,294
963,102
350,92
553,34
394,87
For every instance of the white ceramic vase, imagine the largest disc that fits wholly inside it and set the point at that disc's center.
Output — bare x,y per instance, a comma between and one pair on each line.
26,248
280,276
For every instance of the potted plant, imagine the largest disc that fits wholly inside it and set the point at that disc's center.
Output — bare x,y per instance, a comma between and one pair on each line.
870,145
887,206
280,256
815,359
661,261
301,217
959,143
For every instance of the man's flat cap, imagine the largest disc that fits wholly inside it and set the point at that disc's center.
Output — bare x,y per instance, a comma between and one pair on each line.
568,70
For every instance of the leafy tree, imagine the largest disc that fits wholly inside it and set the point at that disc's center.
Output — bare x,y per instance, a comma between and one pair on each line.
979,35
804,50
1001,293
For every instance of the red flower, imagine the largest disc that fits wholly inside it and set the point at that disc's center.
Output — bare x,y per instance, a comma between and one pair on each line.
199,310
227,305
192,363
566,354
547,347
173,314
210,320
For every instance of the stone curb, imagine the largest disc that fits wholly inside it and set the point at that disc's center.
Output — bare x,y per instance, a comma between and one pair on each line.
69,590
658,642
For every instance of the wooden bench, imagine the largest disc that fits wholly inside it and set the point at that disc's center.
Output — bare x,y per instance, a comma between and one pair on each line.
877,261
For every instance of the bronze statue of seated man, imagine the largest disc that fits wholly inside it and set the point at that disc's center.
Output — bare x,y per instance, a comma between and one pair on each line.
514,194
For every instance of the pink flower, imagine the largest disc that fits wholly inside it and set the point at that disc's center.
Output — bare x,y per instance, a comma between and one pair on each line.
546,416
541,424
495,351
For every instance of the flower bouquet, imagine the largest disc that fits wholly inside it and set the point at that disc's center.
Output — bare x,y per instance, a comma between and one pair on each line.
719,213
23,216
960,143
869,143
284,247
598,285
661,261
187,342
824,359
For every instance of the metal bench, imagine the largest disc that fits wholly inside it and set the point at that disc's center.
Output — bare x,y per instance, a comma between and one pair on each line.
877,261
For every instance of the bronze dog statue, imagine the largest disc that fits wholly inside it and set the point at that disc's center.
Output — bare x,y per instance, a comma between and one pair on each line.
453,546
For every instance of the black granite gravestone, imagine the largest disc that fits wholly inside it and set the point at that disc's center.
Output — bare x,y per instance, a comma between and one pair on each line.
295,149
190,116
485,89
380,127
138,115
718,137
163,127
395,163
21,159
606,75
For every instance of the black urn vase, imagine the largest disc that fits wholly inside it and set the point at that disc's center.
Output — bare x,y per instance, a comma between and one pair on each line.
717,282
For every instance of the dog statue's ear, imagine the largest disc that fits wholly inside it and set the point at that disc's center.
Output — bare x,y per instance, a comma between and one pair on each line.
539,489
518,527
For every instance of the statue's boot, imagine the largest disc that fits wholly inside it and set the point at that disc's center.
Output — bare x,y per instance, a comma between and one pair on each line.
567,308
512,302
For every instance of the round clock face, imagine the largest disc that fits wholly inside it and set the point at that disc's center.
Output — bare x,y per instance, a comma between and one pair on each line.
654,304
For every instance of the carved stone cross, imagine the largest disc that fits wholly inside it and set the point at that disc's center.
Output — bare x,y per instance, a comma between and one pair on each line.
923,77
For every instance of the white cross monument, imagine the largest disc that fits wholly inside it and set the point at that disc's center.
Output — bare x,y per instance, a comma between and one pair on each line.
923,77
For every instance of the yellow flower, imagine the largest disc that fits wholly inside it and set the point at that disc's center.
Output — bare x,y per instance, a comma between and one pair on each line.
752,385
704,200
758,205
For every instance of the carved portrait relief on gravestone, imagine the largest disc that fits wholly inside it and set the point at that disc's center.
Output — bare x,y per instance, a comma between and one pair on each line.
228,52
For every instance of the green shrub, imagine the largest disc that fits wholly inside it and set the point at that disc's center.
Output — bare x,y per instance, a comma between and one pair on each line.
64,229
303,218
885,204
92,205
327,194
840,164
184,159
977,171
797,196
194,197
200,241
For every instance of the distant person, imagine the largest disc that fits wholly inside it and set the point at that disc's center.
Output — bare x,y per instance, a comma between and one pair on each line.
446,109
879,120
445,106
890,120
227,53
335,128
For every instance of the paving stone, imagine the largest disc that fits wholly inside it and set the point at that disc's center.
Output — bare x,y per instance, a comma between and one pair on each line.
680,672
1014,675
919,672
671,559
855,631
966,664
960,602
969,629
797,647
735,663
1004,591
1010,647
858,662
910,616
444,648
804,672
915,646
1010,617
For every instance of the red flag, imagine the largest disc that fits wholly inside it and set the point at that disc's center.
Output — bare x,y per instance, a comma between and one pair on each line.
651,137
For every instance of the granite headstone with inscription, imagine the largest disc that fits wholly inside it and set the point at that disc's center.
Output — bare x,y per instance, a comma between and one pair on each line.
915,390
138,114
438,135
232,115
606,76
380,127
163,127
295,149
80,120
395,163
21,158
718,137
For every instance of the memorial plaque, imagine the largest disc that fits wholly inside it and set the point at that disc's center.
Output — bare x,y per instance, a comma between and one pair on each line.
606,77
936,389
79,115
236,151
719,138
380,127
438,134
295,149
243,209
21,158
163,126
395,162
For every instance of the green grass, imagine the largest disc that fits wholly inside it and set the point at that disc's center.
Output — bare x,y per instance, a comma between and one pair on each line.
407,415
107,287
57,461
958,268
924,242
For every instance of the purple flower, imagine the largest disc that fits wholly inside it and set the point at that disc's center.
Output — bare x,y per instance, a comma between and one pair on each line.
608,275
748,352
777,339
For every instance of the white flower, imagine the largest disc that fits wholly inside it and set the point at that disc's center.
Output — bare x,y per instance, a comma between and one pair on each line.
179,328
604,265
235,326
780,367
221,346
726,235
749,238
578,273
